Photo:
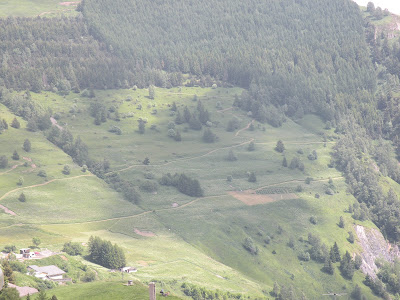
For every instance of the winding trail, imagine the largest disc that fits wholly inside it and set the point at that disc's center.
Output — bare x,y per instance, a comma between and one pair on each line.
42,184
12,168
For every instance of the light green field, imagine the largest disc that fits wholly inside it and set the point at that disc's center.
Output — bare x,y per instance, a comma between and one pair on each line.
201,240
104,291
34,8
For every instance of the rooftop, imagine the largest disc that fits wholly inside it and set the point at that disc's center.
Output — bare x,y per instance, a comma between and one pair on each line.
49,270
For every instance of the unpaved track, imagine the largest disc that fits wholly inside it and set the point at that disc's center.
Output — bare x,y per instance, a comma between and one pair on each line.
12,168
42,184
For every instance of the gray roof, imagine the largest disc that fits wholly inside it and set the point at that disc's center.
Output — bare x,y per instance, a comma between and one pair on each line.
49,270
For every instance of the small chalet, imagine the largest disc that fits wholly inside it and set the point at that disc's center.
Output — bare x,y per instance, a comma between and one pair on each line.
128,269
26,253
48,272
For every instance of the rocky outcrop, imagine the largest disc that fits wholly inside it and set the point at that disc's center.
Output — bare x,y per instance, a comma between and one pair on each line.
374,246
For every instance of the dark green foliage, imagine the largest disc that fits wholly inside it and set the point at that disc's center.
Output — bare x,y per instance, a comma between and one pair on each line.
232,125
104,253
15,123
250,246
341,222
357,262
284,162
280,147
141,126
251,146
73,249
127,188
9,248
27,145
183,183
7,271
149,186
347,266
18,266
313,155
351,237
334,253
318,250
313,220
197,293
328,266
356,294
9,294
15,155
257,58
42,295
146,161
231,156
36,241
252,177
3,162
89,276
209,136
66,170
22,197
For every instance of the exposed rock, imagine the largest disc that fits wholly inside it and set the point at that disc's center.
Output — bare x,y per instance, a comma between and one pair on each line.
374,246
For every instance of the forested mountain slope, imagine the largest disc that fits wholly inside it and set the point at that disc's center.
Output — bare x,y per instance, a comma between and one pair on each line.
300,53
226,81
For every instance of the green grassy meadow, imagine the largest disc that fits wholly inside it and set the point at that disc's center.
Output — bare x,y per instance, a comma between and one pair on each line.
193,240
34,8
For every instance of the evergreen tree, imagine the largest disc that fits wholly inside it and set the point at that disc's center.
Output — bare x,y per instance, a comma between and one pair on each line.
252,177
152,92
141,126
15,123
15,155
251,146
276,289
231,156
328,266
284,162
280,147
3,162
347,266
341,222
209,136
27,145
335,253
22,197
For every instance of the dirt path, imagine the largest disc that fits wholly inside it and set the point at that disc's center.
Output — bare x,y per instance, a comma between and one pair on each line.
245,128
12,168
296,181
7,211
42,184
54,123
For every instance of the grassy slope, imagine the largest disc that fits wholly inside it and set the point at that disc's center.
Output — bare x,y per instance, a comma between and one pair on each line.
103,291
201,240
34,8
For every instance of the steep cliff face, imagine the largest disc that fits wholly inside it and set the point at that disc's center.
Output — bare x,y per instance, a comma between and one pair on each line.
374,246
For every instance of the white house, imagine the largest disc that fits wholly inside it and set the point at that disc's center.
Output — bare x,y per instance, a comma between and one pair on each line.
128,269
48,272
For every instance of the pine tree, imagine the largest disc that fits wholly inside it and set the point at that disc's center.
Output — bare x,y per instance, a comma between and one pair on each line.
335,253
22,197
252,177
15,123
15,155
284,162
251,147
341,222
27,145
152,92
280,147
328,266
276,289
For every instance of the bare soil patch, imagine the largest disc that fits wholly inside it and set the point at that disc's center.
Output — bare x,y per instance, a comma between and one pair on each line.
144,233
7,211
250,198
74,3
